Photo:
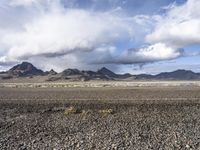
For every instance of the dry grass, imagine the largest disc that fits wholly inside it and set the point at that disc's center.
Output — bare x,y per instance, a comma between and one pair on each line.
70,110
106,111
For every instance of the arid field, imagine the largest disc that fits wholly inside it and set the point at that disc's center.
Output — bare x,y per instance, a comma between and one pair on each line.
100,115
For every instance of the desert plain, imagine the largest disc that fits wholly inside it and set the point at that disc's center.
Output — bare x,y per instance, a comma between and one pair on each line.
100,115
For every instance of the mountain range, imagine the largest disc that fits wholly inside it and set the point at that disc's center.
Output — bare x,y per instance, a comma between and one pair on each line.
27,70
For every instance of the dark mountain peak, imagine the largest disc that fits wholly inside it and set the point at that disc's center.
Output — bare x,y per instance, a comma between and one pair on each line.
26,63
107,72
22,66
52,72
25,69
104,69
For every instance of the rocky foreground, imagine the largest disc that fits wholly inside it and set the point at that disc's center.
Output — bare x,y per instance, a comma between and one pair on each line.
123,118
103,126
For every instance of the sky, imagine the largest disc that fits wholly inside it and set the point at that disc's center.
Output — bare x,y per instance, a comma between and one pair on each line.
148,36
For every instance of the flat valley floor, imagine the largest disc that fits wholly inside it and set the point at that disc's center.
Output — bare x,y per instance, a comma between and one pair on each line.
165,117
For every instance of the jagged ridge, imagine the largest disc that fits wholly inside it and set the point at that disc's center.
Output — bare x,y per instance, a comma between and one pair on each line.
26,69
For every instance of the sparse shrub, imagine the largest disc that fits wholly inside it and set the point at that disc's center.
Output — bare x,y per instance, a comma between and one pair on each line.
70,110
106,111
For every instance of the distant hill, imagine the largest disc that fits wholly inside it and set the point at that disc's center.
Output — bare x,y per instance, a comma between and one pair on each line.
175,75
77,75
26,69
179,75
52,72
113,75
107,72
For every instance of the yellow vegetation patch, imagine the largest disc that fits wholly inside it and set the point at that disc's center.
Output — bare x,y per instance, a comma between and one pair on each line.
70,110
106,111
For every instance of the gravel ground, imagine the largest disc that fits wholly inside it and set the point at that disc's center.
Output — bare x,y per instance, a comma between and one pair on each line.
130,124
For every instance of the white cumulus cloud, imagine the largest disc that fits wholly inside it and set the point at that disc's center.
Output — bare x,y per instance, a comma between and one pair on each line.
148,54
64,32
44,30
180,27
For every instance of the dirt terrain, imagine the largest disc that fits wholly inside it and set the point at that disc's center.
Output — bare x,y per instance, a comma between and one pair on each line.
110,117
